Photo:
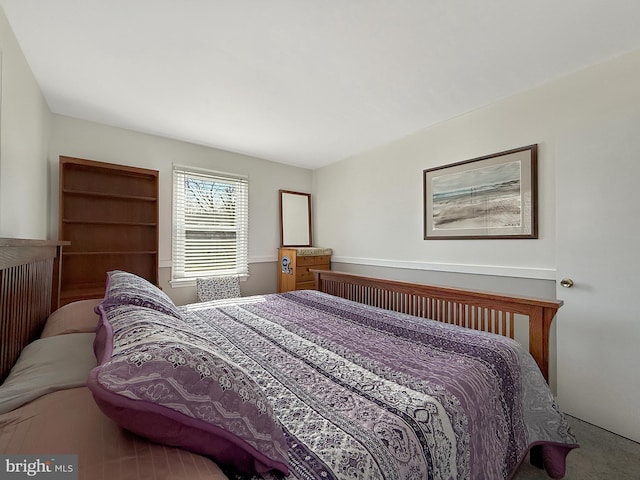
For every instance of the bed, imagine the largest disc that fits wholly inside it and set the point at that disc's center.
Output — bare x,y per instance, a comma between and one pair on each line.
350,381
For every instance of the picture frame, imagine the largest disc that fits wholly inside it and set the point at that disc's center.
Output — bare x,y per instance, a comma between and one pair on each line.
295,219
489,197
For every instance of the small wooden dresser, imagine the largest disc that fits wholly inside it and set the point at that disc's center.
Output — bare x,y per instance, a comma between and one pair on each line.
294,264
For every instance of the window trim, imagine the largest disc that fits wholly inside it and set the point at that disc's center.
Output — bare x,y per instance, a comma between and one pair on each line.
178,237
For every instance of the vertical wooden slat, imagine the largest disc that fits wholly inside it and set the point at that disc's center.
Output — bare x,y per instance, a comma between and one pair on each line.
29,289
511,325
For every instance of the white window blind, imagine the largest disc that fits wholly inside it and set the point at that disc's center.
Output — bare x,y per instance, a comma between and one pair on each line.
210,223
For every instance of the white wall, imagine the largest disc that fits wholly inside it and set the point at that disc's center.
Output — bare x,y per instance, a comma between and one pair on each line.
83,139
368,208
24,131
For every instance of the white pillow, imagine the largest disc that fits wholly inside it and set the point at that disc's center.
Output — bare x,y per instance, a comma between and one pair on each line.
47,365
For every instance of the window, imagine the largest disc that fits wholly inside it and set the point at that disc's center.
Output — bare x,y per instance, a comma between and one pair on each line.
210,223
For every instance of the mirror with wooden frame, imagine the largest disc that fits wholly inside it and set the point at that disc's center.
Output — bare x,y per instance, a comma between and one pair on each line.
295,219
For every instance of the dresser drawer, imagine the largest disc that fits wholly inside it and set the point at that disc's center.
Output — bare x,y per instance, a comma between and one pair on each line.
313,260
304,275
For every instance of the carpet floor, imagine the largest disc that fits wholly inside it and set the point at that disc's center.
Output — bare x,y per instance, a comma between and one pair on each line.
602,456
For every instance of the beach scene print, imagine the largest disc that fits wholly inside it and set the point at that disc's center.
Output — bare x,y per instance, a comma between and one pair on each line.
487,197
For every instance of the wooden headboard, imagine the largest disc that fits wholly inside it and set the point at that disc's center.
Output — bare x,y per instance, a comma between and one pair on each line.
29,292
484,311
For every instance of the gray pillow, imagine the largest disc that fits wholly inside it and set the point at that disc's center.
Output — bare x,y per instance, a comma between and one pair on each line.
46,365
217,288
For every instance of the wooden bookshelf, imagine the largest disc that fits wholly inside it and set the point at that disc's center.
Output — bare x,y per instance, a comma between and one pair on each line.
109,213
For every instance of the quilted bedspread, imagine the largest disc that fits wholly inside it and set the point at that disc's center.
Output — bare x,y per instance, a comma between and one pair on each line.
371,394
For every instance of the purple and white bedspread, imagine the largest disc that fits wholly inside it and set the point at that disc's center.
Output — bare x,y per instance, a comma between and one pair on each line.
364,393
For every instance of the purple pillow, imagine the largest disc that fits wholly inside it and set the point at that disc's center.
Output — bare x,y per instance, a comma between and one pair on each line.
159,379
127,288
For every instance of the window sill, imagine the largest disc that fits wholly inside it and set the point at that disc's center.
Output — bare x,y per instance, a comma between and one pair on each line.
182,282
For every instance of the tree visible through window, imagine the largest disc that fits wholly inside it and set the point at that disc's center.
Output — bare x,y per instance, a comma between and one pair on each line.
210,224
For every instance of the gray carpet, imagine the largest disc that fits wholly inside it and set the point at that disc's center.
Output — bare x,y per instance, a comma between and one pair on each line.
602,456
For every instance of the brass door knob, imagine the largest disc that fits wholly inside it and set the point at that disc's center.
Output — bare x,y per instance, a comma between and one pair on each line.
566,283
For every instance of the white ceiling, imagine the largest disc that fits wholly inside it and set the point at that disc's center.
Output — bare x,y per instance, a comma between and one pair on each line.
304,82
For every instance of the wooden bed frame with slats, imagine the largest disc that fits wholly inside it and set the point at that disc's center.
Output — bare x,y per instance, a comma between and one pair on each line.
30,289
29,292
485,311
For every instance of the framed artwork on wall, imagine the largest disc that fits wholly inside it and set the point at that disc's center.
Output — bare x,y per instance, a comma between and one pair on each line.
494,196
